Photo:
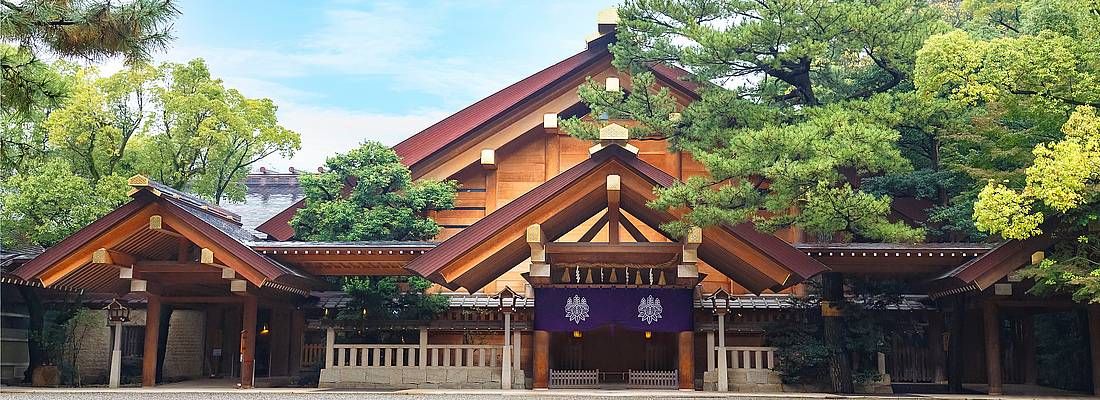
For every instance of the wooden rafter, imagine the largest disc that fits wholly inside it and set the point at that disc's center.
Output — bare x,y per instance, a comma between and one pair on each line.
594,229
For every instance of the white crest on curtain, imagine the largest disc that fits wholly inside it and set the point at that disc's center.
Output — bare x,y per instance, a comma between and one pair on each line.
576,309
649,309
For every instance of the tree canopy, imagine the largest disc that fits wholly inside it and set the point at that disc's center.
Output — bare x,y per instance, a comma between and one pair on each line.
368,194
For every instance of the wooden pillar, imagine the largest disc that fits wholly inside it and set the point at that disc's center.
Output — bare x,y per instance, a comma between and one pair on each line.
832,299
279,329
541,369
297,339
955,346
992,330
686,366
1031,370
936,346
248,342
422,360
1094,344
330,344
152,334
710,351
613,215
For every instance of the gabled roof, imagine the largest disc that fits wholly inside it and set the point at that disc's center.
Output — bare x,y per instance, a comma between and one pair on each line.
492,245
985,270
127,227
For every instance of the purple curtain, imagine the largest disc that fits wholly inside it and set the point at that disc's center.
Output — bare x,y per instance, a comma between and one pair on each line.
580,309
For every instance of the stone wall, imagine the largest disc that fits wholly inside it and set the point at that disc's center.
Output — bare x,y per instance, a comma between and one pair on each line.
183,357
417,377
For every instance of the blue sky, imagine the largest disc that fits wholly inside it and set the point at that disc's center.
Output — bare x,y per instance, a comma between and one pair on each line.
344,71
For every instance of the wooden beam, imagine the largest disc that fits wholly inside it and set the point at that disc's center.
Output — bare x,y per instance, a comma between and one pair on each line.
552,148
248,342
207,256
992,330
686,365
613,214
489,167
541,368
633,231
238,286
112,257
536,240
594,229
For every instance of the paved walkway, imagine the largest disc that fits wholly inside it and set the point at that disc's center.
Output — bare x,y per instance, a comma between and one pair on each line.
168,392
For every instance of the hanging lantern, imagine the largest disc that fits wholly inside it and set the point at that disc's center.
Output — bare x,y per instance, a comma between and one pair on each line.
264,330
116,312
577,334
648,335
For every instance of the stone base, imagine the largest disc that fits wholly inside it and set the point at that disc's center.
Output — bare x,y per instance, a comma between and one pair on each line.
763,381
417,378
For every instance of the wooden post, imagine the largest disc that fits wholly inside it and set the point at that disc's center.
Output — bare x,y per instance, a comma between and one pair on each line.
723,373
992,330
489,166
553,145
1031,372
613,184
330,343
935,346
279,330
541,369
1094,344
506,364
954,348
297,337
152,334
248,342
686,366
832,299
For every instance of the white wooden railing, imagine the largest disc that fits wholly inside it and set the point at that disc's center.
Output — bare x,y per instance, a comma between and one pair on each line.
400,355
574,378
652,379
749,357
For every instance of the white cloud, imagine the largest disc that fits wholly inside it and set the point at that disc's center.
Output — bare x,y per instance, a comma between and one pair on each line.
326,131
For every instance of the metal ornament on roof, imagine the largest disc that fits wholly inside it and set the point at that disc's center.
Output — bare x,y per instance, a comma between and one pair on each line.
719,300
507,299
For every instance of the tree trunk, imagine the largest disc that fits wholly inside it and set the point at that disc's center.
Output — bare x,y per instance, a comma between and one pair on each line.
162,342
37,316
840,368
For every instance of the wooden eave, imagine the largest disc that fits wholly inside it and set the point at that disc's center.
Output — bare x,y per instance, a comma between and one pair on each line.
126,230
894,259
345,258
989,268
485,250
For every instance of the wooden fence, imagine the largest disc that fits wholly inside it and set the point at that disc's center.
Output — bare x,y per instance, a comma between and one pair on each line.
652,379
749,357
574,378
397,355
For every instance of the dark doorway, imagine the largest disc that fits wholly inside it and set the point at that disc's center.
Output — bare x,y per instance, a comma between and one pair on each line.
613,352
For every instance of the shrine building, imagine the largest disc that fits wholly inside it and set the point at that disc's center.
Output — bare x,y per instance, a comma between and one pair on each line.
555,270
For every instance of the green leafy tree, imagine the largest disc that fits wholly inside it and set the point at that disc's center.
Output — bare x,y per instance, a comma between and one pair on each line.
50,202
368,194
1061,197
82,29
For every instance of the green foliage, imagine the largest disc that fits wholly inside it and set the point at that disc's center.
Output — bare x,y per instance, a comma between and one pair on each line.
808,100
1060,197
84,29
390,298
869,329
46,204
368,194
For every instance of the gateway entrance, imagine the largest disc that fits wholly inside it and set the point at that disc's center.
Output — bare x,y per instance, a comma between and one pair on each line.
613,357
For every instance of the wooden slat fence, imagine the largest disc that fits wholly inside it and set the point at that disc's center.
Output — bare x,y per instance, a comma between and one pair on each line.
574,378
652,379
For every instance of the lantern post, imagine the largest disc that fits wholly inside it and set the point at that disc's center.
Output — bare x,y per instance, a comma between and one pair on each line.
507,298
116,315
720,303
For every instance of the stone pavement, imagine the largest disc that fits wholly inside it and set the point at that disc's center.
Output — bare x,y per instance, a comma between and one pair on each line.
196,393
